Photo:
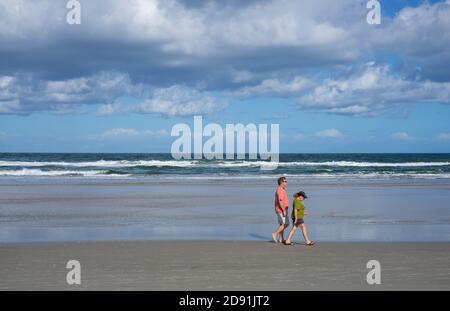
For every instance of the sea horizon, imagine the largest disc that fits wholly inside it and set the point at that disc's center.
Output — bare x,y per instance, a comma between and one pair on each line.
285,153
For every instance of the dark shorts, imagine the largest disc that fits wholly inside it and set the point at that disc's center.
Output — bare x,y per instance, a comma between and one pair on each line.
298,223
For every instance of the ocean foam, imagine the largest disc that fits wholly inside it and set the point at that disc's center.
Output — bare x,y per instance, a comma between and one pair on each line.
217,163
37,173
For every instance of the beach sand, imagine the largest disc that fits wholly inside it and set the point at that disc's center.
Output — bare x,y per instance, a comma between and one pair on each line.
224,265
213,235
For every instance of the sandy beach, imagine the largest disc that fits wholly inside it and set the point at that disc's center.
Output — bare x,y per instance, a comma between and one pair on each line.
224,265
202,234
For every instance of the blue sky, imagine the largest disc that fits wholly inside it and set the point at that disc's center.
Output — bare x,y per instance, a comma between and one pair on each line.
119,81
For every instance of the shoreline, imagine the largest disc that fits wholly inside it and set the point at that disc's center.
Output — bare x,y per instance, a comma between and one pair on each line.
212,240
223,265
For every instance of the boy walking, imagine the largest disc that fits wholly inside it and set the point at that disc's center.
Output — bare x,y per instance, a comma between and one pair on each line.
297,218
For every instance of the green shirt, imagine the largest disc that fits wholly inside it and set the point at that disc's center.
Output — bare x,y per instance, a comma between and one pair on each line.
298,205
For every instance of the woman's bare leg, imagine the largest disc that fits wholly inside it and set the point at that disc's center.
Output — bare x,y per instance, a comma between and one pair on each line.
282,233
276,232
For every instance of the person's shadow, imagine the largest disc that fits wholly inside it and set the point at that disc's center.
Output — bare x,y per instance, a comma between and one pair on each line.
261,237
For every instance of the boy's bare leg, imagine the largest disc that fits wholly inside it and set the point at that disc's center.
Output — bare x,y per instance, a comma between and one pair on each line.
291,234
305,233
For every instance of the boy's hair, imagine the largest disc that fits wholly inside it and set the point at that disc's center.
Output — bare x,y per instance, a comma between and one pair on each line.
280,180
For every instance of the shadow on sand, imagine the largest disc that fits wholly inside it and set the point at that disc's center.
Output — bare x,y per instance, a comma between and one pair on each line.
261,237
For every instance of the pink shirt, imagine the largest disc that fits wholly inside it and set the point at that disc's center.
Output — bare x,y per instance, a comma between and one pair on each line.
280,194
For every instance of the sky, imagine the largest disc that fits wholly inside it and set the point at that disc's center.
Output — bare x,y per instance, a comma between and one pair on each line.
122,78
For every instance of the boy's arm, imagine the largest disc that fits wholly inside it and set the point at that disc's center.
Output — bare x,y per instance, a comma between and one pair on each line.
295,215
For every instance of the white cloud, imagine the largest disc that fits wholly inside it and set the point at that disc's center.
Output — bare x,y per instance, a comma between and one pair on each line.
443,136
240,76
299,136
274,116
24,94
329,133
401,136
168,41
371,91
268,46
421,34
275,87
10,106
178,101
194,30
109,109
120,132
172,101
231,30
128,133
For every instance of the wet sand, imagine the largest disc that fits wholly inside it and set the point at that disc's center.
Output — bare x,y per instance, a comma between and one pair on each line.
63,210
224,265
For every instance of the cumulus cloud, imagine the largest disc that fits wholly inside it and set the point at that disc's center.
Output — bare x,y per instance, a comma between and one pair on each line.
281,48
179,101
401,136
275,87
175,41
299,136
329,133
24,94
172,101
201,29
370,91
276,116
421,36
240,76
443,136
187,40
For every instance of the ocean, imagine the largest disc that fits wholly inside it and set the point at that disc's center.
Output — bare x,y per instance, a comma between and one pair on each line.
320,166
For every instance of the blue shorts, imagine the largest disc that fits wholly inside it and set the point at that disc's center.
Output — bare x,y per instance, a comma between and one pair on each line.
298,223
